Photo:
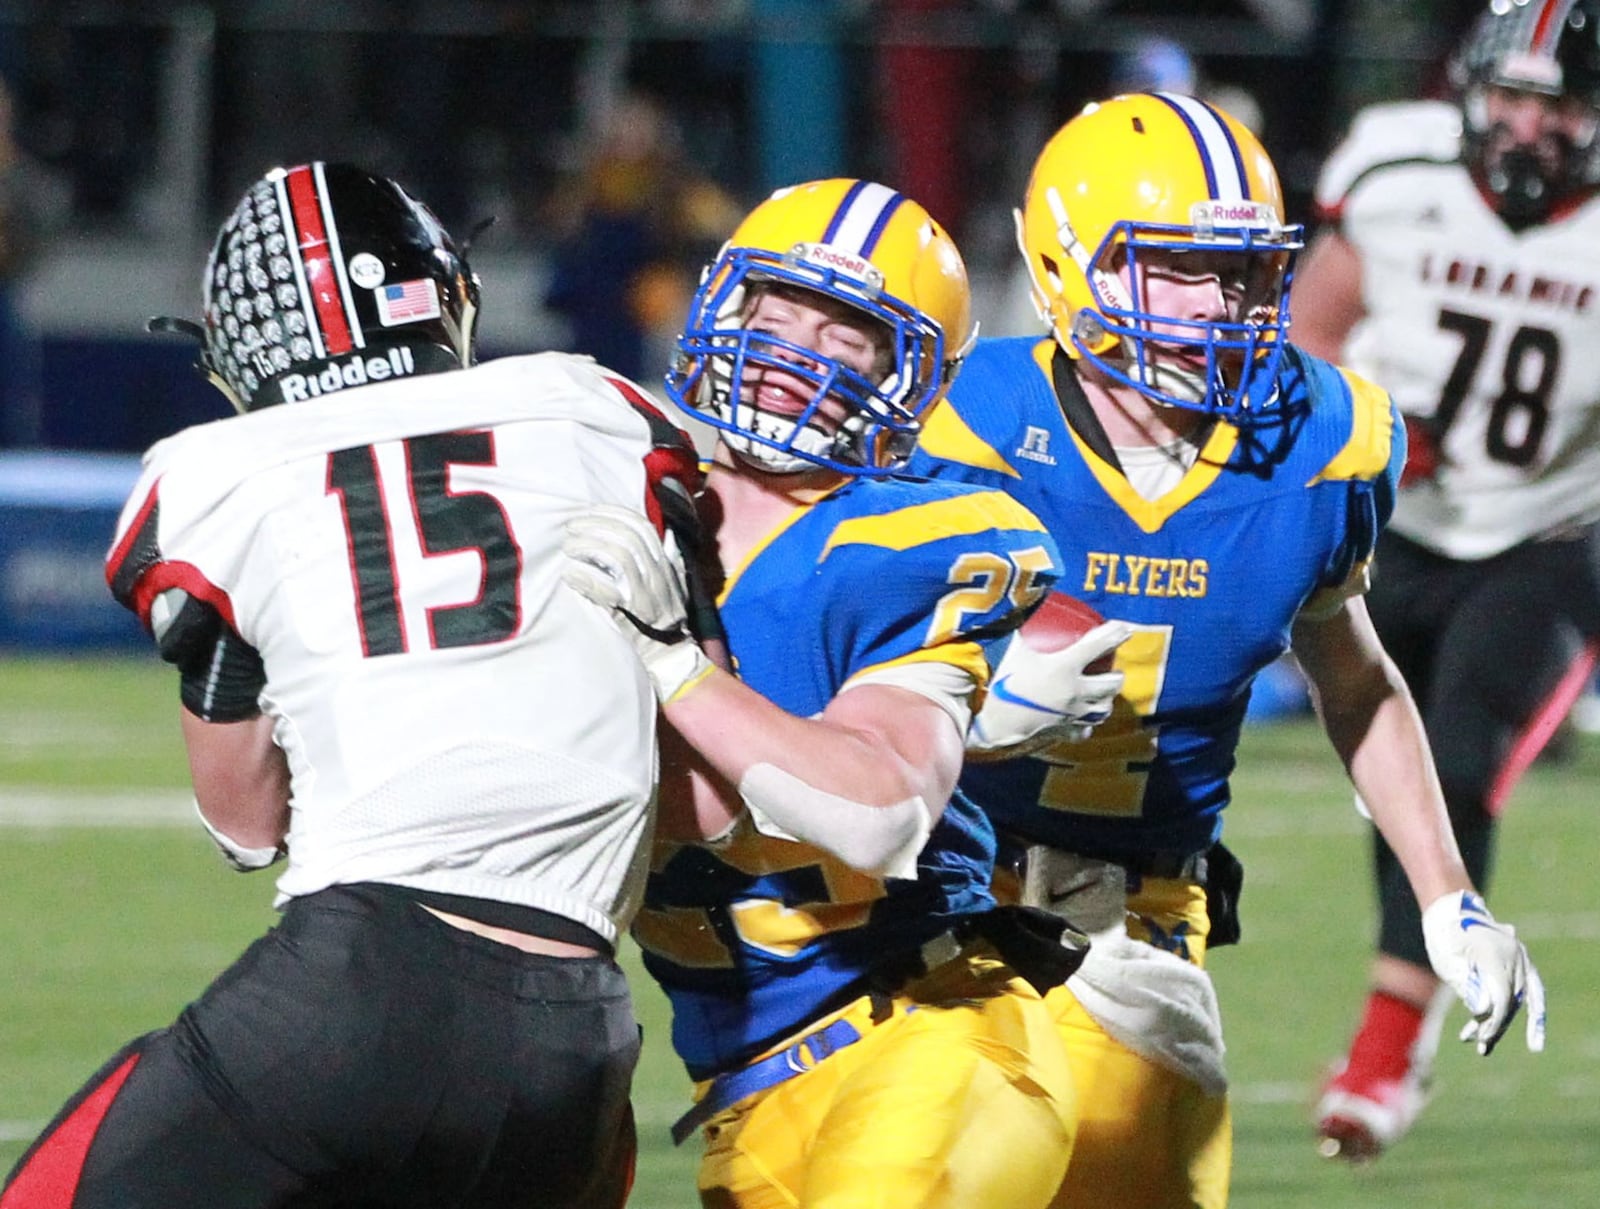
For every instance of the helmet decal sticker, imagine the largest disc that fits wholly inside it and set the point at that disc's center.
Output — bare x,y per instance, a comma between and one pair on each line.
366,270
406,301
398,362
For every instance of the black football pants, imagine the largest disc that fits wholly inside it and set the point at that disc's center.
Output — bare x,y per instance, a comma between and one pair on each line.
1486,648
362,1053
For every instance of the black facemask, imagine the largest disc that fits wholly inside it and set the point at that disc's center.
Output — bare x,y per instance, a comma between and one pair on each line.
1521,185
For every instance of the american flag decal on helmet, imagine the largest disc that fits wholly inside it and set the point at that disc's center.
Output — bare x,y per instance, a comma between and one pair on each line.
407,301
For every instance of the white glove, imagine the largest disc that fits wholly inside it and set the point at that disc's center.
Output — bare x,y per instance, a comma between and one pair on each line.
1486,965
1039,698
614,559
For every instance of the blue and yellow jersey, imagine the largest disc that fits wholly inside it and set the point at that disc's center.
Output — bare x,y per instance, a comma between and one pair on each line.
753,937
1211,575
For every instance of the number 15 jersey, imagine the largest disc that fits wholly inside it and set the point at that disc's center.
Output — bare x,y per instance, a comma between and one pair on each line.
455,718
1493,335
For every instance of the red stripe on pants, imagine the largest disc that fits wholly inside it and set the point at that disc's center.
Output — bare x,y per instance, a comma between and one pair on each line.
50,1178
1538,729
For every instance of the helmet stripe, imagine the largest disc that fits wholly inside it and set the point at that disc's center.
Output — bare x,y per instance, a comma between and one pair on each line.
1219,150
336,254
292,241
861,218
311,242
1552,18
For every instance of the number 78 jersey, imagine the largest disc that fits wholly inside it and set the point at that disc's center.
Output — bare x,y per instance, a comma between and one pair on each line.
454,717
1492,335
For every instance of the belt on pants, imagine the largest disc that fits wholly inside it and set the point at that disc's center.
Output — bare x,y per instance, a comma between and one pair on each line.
728,1089
1040,947
1183,866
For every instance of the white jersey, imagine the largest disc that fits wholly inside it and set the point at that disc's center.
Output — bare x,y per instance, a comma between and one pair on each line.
455,718
1493,334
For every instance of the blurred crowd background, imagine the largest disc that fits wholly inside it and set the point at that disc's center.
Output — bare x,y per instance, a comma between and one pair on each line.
614,144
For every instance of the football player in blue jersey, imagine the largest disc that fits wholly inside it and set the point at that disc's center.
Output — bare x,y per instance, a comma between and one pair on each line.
845,994
1220,492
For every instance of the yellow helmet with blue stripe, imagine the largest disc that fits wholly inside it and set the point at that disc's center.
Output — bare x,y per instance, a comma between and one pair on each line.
865,245
1159,171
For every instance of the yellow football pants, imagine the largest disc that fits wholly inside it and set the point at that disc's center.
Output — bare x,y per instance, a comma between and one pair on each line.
1147,1138
960,1099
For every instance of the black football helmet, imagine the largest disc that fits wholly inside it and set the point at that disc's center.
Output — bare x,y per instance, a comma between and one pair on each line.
326,276
1548,47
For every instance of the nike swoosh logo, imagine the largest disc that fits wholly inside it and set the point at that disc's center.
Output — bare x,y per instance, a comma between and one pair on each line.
1071,888
999,689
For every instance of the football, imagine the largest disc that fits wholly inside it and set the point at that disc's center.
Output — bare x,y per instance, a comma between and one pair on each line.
1059,621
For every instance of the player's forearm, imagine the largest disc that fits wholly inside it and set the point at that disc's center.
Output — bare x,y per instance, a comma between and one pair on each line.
693,802
844,782
1393,771
735,729
1372,722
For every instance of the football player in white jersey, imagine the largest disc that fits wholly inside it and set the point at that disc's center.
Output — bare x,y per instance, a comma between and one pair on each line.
1460,269
388,686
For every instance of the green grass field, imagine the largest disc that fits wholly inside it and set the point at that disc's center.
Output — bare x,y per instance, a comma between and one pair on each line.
114,911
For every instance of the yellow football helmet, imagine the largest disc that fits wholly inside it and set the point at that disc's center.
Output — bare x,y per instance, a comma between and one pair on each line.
859,243
1161,172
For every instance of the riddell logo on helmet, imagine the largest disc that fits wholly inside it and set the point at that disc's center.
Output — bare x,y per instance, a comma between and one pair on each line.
829,257
1209,214
354,371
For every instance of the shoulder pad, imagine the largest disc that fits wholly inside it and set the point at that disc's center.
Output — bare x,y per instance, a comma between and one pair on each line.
1357,418
987,404
1400,132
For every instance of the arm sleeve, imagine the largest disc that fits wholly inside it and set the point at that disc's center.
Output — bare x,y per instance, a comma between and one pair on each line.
220,674
225,686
